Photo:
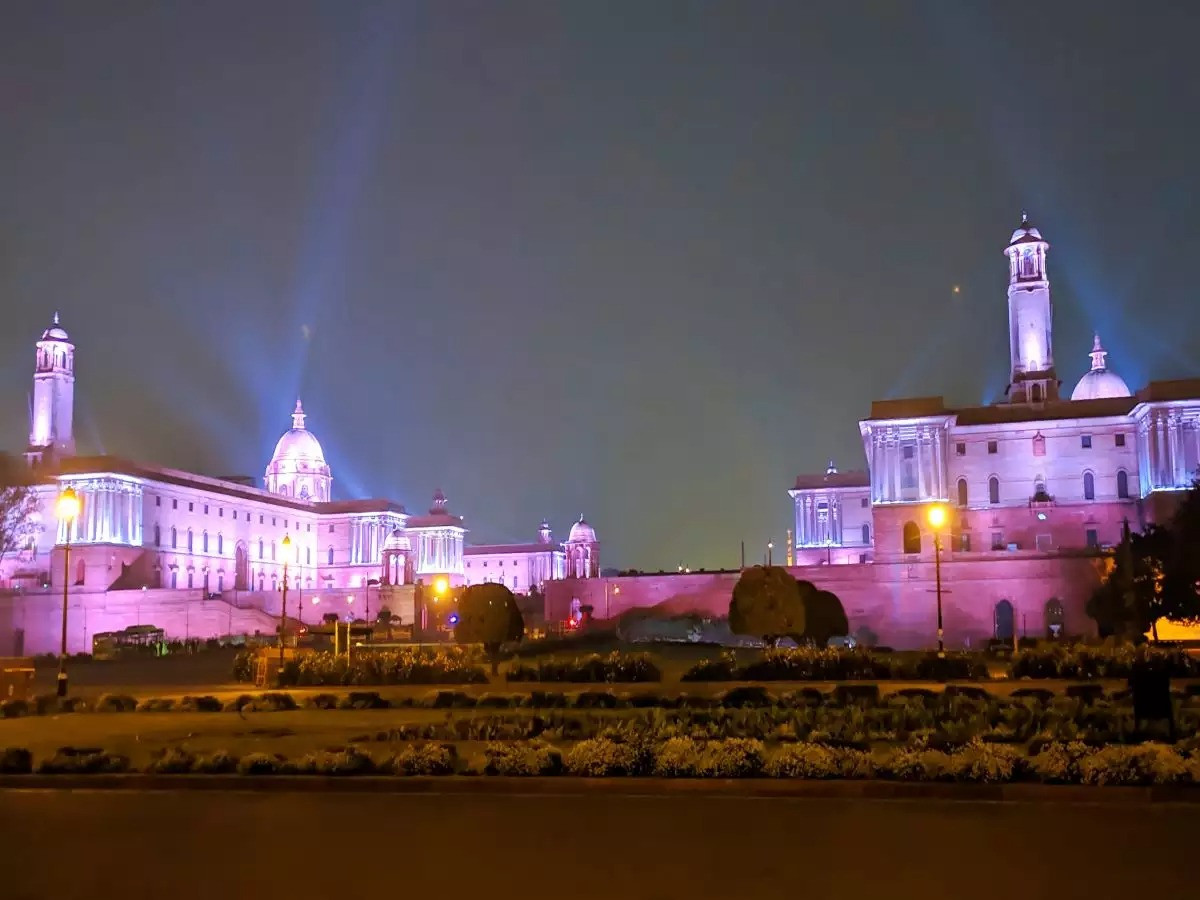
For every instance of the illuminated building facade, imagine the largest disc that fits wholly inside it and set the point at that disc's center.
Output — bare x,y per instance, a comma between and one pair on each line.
202,556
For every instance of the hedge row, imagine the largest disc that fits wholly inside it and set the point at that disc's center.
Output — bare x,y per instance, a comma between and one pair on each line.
867,696
833,664
679,757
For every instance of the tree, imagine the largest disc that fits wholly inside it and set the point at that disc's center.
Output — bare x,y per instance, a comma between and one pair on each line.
18,503
1131,599
766,603
488,615
824,616
1181,561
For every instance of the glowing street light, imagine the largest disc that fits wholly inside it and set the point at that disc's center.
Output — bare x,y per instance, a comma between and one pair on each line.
937,518
67,509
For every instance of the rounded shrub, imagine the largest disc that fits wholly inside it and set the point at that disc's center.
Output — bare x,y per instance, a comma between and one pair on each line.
156,704
83,761
206,703
599,757
114,703
347,761
15,761
423,759
524,758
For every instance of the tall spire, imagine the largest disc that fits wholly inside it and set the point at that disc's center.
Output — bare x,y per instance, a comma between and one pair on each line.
1098,355
1024,217
56,317
298,416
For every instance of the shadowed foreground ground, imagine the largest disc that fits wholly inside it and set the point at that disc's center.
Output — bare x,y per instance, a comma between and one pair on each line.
325,845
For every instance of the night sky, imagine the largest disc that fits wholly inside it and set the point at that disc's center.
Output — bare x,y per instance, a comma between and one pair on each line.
642,260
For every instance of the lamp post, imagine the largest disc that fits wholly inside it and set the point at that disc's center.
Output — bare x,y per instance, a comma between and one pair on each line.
287,543
937,518
67,508
770,550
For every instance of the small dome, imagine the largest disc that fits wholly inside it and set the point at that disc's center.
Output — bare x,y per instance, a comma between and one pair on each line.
1026,233
581,533
397,540
1100,383
55,332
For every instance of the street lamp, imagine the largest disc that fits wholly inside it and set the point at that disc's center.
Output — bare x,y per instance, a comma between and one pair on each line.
67,509
937,518
287,543
616,590
770,548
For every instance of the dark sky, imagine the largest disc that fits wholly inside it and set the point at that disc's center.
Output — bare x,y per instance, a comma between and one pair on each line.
643,260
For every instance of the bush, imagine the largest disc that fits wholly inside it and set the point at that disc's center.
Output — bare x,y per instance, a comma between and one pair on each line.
219,763
1088,693
271,701
596,700
808,760
206,703
916,764
754,695
156,704
448,700
600,757
113,703
1058,762
615,667
836,664
1083,663
723,668
243,666
322,701
983,762
261,764
348,761
856,695
732,758
498,701
678,757
416,665
363,700
1144,764
50,704
172,761
423,759
546,700
15,761
532,758
74,761
14,709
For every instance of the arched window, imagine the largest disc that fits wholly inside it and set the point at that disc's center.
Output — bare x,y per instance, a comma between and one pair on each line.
220,544
866,534
173,537
912,537
204,542
1003,621
1089,486
189,540
993,490
962,492
1122,484
174,578
157,536
330,556
260,548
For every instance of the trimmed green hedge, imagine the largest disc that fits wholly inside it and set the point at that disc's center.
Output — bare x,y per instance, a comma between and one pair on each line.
615,667
835,664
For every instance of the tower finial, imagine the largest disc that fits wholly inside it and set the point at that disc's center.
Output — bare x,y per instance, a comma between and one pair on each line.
56,317
1024,217
831,469
298,416
1098,355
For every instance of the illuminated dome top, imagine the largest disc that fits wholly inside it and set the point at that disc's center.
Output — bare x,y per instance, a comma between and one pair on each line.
1100,383
298,468
54,332
299,444
1026,233
581,533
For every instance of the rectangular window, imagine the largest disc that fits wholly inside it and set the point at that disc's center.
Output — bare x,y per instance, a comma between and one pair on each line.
206,509
960,449
260,519
1093,539
865,502
997,540
174,504
158,501
964,542
331,529
272,520
862,557
1120,439
908,452
220,512
993,448
1085,441
191,507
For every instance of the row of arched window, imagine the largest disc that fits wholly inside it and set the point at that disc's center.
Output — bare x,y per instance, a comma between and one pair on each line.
1089,488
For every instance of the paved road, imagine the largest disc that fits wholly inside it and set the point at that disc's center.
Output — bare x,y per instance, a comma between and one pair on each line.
239,844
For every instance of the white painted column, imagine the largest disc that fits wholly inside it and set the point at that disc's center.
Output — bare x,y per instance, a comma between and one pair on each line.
939,465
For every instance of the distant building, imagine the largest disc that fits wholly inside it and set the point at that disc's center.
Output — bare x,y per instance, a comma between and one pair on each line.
204,556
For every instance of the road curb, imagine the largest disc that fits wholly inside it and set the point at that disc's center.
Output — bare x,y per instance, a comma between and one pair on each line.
573,786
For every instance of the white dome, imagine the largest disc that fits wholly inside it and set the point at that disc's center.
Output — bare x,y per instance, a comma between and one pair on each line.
1100,384
581,533
55,332
299,445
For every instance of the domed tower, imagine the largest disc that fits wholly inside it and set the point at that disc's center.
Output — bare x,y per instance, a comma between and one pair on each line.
1101,382
52,407
1030,318
298,468
583,551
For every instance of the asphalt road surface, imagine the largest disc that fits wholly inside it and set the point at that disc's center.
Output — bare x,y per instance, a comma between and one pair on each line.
216,844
